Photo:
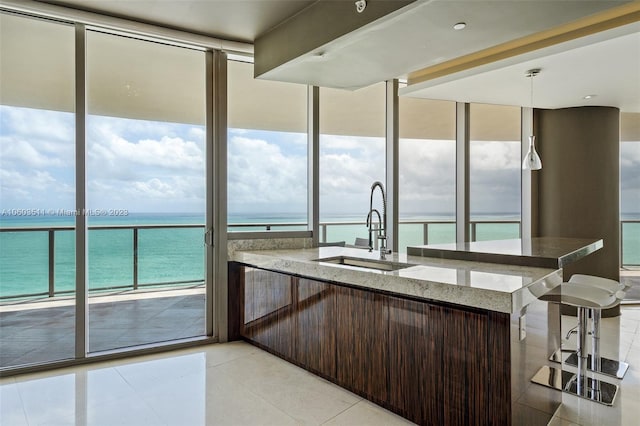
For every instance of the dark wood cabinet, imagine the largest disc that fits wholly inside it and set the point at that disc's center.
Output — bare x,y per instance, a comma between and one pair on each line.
432,363
362,342
415,381
316,326
268,306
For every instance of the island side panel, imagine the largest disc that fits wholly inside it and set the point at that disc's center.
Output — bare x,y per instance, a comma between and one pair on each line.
499,367
534,404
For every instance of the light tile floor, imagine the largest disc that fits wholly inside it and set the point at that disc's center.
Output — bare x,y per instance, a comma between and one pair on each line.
238,384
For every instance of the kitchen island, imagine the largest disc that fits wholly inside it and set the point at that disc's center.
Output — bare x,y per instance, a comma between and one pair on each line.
437,341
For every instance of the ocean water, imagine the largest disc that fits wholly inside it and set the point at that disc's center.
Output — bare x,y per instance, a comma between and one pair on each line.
165,255
176,255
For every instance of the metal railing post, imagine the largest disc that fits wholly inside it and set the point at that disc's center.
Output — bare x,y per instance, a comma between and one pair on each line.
52,262
621,244
135,258
425,233
473,231
324,232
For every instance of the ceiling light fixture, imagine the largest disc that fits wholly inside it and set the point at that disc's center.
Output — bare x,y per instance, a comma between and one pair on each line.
532,160
589,96
460,26
361,5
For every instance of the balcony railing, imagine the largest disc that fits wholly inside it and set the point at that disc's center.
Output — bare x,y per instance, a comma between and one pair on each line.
629,231
134,285
630,239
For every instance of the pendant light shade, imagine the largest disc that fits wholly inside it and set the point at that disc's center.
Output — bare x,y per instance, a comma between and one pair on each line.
532,160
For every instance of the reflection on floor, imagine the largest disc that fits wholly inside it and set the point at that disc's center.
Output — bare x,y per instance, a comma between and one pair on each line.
44,331
630,276
620,339
238,384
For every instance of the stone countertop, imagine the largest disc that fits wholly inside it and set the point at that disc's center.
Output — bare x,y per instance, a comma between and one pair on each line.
495,287
543,252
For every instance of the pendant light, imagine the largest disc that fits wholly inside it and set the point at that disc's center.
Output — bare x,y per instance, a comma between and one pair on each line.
532,160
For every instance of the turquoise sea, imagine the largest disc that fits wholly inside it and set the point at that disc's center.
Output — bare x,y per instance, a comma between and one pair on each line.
176,255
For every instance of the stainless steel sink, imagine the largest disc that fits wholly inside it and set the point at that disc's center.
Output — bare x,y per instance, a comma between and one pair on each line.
380,265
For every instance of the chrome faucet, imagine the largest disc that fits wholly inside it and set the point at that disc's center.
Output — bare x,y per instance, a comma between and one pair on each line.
382,227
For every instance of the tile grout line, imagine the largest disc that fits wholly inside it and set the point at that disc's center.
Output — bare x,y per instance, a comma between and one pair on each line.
22,405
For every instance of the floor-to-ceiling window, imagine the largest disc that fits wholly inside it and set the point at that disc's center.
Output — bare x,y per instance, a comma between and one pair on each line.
352,158
495,167
267,152
145,191
630,202
37,190
427,172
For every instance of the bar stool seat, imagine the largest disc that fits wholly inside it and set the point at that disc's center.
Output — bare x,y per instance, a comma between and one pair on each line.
595,362
584,298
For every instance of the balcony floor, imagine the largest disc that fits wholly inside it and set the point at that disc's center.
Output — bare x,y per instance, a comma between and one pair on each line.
631,277
41,331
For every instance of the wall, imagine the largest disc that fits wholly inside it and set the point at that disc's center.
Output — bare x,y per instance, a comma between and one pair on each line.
578,187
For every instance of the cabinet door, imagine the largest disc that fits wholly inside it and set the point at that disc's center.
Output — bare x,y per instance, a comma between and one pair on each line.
361,342
416,346
268,310
439,354
465,368
316,327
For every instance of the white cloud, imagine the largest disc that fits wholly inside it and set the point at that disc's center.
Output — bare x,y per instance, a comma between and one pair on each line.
21,151
263,177
490,156
38,124
427,176
630,177
36,138
166,153
238,131
34,189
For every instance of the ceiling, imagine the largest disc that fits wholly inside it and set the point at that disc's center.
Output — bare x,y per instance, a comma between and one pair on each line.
237,20
604,67
606,64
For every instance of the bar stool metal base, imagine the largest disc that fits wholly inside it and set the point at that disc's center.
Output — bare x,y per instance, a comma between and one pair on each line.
608,367
565,381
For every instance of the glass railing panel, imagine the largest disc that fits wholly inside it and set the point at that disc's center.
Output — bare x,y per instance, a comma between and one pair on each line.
630,243
496,231
24,264
336,232
442,233
65,262
110,258
410,234
170,255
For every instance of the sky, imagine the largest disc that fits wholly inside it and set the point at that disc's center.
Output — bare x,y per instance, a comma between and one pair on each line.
145,166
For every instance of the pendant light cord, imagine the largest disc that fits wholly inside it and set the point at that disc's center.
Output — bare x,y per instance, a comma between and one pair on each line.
531,94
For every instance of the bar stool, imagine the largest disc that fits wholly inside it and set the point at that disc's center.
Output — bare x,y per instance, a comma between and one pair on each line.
596,363
584,298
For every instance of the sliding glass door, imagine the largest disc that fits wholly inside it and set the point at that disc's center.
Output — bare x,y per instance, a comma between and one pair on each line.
37,196
145,202
146,191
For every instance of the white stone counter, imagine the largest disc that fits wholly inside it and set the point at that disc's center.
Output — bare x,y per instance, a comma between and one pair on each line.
491,286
